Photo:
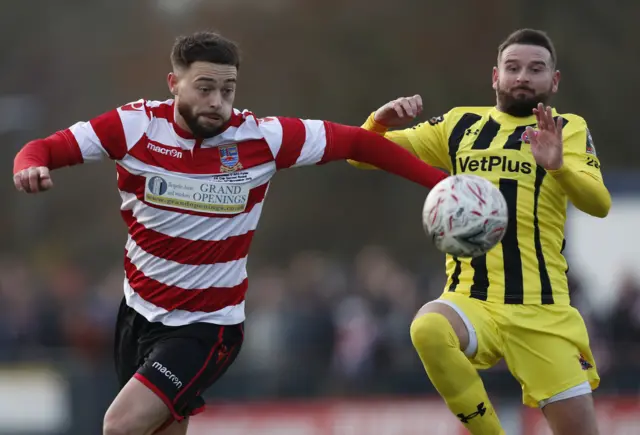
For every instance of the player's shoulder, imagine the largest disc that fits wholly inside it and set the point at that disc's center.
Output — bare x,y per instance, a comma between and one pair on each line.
245,118
245,114
573,122
576,133
473,110
149,109
447,121
454,115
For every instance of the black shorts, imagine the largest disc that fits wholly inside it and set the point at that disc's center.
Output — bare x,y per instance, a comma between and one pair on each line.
177,363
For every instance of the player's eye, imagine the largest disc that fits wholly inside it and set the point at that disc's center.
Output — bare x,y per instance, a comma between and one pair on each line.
204,89
227,91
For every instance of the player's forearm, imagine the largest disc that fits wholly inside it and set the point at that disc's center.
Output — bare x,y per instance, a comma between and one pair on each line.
396,137
586,192
364,146
55,151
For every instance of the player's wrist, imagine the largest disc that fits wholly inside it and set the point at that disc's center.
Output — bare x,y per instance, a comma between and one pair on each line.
372,124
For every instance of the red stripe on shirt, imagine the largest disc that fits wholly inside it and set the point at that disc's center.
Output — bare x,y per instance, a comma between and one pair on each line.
186,251
108,127
171,298
135,185
293,138
328,150
205,160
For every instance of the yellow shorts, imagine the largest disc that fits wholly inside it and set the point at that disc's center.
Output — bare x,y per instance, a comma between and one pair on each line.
546,347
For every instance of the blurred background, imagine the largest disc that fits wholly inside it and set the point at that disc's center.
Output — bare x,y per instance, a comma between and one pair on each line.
341,263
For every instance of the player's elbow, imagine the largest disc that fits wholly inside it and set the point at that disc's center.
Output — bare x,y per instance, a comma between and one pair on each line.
599,206
603,209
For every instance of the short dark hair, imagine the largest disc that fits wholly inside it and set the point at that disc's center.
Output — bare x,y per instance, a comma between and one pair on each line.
529,37
204,47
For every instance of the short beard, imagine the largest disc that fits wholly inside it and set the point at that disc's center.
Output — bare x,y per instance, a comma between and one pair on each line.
192,122
518,107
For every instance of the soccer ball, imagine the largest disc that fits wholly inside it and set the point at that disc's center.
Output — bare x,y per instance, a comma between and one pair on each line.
465,215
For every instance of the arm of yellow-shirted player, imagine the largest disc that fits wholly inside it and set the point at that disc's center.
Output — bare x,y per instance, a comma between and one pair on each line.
580,175
426,141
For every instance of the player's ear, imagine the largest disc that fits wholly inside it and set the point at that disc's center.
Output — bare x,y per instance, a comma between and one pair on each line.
494,78
172,82
556,81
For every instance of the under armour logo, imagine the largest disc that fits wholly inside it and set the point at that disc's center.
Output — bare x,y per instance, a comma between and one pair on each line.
470,132
481,411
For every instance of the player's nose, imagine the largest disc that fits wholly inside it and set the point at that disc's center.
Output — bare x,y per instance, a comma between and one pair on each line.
215,99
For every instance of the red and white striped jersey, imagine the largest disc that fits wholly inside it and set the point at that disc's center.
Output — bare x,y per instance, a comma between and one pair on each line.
192,206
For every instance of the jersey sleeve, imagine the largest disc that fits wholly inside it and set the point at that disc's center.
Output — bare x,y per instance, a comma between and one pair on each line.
111,134
579,151
580,176
295,142
427,140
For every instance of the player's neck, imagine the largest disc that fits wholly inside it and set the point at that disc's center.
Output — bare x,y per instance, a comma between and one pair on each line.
180,122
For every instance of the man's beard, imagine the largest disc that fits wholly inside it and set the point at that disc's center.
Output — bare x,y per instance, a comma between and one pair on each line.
520,107
196,128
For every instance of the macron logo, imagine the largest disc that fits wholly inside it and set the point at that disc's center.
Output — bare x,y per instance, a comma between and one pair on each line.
173,378
164,151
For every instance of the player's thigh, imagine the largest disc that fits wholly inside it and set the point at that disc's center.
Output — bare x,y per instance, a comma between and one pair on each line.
176,370
547,351
473,322
573,415
135,410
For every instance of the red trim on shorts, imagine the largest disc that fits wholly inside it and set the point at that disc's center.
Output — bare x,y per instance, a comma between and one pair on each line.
198,410
147,383
204,366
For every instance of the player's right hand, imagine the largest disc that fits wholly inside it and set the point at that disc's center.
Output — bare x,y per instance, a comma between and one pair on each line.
399,112
33,180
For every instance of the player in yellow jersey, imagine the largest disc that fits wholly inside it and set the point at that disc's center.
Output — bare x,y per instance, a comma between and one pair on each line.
513,302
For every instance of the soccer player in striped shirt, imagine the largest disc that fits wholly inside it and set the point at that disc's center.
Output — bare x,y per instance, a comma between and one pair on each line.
513,302
193,173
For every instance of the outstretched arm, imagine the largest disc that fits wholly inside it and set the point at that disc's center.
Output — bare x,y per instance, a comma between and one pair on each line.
364,146
105,136
295,142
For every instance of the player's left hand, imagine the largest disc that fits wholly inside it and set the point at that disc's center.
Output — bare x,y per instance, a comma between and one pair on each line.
546,141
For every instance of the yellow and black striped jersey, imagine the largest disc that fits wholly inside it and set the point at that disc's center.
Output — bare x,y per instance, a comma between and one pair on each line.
527,267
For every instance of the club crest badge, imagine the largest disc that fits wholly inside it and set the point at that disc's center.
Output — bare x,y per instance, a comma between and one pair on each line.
229,158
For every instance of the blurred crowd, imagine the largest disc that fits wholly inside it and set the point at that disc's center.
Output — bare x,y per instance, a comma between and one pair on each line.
317,326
